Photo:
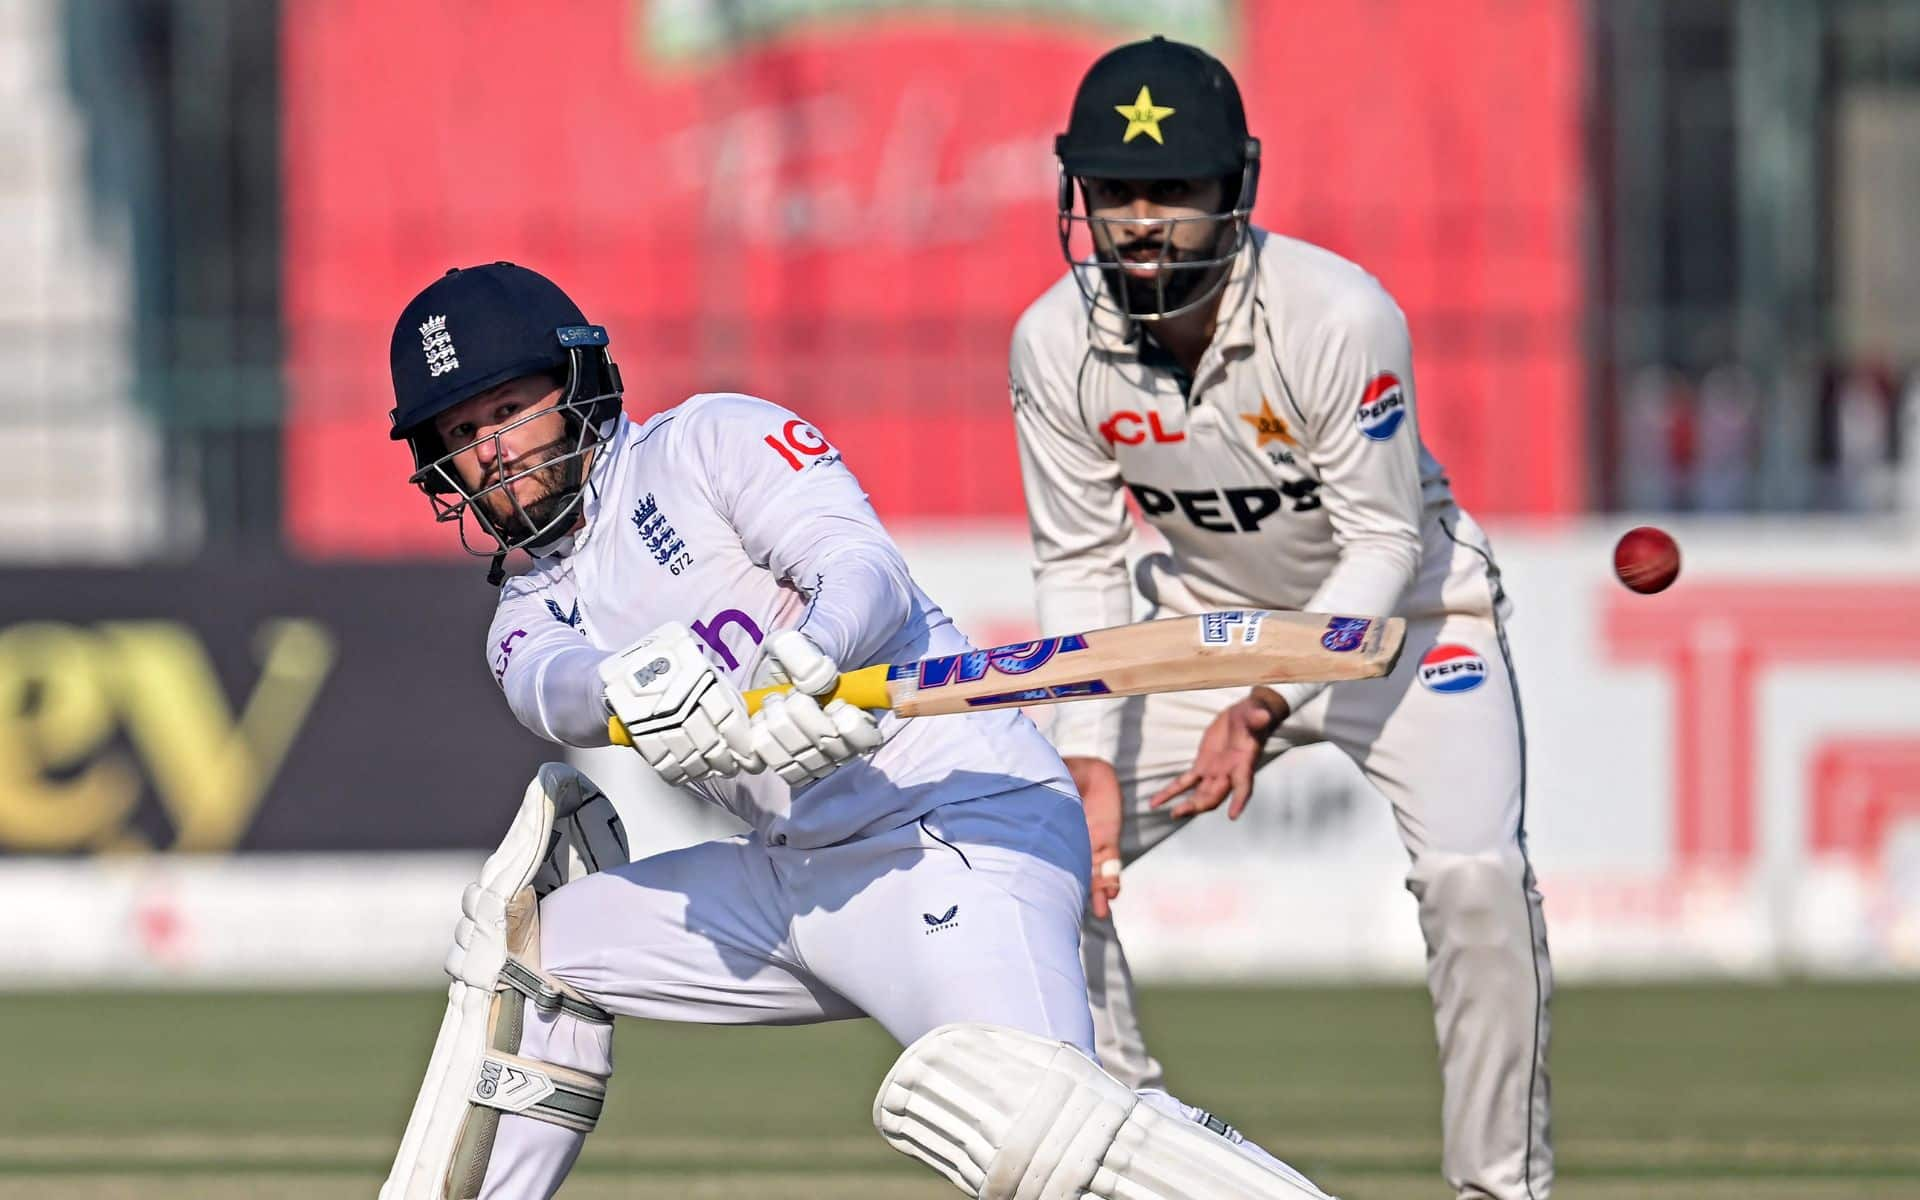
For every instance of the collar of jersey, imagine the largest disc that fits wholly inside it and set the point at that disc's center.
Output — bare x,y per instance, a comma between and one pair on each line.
1115,334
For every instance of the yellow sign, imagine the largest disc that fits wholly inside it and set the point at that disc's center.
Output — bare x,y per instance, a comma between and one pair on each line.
71,695
1143,116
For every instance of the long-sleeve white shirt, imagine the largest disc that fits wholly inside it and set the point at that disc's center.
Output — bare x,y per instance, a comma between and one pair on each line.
736,517
1288,473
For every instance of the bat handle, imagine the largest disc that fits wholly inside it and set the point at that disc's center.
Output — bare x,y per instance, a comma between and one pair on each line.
864,688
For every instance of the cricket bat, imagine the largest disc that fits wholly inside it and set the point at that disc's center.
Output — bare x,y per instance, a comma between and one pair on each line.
1231,648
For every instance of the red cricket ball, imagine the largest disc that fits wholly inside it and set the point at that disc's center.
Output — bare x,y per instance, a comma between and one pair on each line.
1646,559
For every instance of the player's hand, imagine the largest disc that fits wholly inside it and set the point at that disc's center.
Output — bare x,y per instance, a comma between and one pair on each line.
687,721
794,659
1229,752
803,742
792,733
1099,789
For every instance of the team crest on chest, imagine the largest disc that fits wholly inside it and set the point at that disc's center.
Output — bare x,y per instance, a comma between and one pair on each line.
666,546
1270,427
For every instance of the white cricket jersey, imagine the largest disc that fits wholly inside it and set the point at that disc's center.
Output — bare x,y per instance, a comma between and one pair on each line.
1288,472
737,518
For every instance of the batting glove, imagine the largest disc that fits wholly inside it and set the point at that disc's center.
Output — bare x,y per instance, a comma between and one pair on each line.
793,733
683,718
803,742
794,659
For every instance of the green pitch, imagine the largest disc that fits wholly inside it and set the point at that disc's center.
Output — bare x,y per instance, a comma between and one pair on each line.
1805,1092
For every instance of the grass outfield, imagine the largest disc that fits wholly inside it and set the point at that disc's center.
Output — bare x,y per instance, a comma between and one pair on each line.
1808,1092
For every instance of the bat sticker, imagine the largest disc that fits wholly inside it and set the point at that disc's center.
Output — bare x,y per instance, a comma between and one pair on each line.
1345,633
1062,691
1015,659
1216,628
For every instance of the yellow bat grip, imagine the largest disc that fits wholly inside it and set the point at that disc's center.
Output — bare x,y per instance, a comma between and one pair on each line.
865,688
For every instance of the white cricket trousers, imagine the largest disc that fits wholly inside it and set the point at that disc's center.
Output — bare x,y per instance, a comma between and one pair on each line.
971,913
1450,760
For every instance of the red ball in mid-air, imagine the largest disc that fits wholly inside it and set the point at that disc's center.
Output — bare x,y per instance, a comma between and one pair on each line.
1646,559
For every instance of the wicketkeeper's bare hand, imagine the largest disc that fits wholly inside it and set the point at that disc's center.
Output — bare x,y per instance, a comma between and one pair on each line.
1229,752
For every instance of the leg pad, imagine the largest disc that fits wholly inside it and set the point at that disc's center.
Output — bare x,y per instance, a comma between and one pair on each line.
476,1071
1005,1115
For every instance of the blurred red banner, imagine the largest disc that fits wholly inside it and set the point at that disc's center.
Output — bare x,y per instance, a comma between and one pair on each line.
844,208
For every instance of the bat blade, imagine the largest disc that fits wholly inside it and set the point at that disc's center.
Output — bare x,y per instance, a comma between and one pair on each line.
1230,648
1218,649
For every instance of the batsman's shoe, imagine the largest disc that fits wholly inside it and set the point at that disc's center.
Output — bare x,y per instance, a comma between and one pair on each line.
1005,1115
565,829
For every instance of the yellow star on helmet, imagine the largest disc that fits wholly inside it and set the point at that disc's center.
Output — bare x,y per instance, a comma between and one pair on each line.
1143,116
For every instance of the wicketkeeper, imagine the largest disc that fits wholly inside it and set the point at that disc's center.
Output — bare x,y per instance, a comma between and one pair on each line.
1254,396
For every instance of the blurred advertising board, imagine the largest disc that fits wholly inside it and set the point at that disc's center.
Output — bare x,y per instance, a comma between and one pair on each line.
843,205
1724,780
216,708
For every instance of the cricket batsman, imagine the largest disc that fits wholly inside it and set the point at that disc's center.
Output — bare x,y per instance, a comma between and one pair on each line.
930,874
1254,396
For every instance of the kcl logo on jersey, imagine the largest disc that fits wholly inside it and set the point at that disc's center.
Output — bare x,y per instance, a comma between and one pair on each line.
1015,659
1131,429
1383,407
91,716
1450,667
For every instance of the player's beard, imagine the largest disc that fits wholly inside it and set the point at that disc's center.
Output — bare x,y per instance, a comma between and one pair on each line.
558,484
1164,291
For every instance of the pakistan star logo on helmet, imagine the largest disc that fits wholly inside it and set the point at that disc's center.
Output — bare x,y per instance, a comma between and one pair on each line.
1143,116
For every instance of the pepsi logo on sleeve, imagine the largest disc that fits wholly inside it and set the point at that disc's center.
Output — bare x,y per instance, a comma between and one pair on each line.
1383,407
1450,667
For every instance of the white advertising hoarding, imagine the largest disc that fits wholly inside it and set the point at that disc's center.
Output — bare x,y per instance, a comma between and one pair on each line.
1723,780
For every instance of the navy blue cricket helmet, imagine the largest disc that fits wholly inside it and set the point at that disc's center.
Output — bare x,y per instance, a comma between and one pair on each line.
470,331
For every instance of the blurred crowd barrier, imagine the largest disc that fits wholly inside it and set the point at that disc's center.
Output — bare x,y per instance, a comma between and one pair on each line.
1694,443
1723,779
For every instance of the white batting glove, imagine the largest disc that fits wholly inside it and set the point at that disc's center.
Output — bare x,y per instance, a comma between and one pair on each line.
684,719
803,742
792,733
796,660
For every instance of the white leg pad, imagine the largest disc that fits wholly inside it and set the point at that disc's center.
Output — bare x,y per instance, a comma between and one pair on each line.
1005,1115
565,828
